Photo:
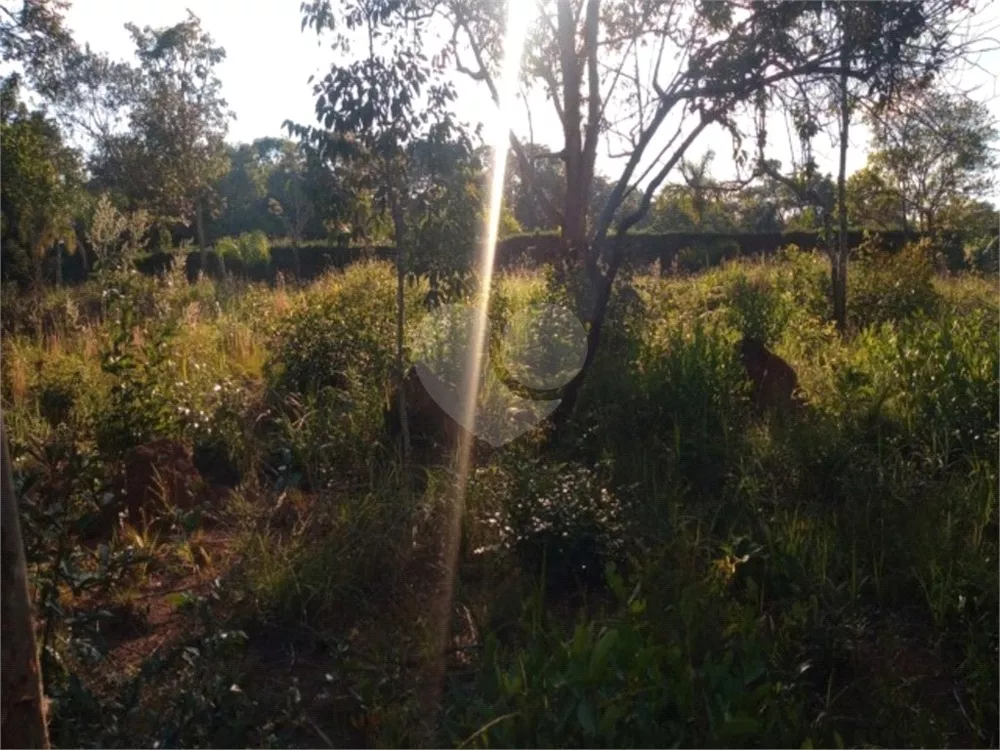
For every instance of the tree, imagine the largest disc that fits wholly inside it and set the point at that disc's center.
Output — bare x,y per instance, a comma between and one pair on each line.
289,198
872,203
932,147
33,34
601,63
173,155
22,717
41,194
447,185
370,112
882,49
520,188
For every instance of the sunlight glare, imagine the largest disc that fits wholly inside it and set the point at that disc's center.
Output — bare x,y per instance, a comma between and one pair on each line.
519,15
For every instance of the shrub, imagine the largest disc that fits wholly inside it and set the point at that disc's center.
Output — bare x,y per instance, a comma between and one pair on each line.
60,385
254,248
227,247
982,254
885,287
694,390
565,518
947,384
757,309
629,681
345,323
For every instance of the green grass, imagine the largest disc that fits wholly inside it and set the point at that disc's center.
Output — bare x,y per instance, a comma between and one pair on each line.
667,569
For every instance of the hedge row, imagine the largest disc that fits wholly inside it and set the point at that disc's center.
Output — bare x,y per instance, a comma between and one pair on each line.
690,250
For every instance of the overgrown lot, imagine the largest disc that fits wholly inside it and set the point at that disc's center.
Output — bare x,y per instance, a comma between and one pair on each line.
224,551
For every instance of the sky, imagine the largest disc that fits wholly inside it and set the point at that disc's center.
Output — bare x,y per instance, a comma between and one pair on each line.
269,60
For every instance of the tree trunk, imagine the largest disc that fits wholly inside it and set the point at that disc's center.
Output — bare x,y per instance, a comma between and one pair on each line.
59,259
839,269
200,229
23,714
571,393
297,260
39,272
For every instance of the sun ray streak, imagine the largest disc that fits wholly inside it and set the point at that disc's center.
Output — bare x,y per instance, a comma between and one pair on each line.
519,15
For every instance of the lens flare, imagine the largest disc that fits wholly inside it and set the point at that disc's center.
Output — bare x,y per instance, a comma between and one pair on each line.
519,16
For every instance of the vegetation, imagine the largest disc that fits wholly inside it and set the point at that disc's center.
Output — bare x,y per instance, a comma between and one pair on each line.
668,567
239,506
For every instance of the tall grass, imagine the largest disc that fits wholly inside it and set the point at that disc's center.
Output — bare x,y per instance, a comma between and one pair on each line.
670,568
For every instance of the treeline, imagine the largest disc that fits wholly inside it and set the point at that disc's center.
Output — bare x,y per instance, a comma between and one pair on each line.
118,158
685,251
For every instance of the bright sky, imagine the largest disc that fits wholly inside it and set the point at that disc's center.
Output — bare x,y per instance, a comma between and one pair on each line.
269,61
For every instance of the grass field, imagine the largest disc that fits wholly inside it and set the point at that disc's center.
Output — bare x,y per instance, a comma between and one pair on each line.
223,552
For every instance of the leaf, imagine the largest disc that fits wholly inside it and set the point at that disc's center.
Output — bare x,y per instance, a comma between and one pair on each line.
740,725
585,715
601,651
175,600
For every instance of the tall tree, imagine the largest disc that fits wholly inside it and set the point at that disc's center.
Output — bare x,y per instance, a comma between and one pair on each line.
930,148
881,49
603,66
370,111
41,194
33,34
174,154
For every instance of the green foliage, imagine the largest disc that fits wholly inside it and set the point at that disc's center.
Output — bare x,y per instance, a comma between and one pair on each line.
42,191
983,254
140,405
886,287
173,154
343,325
560,521
776,582
251,248
757,310
627,683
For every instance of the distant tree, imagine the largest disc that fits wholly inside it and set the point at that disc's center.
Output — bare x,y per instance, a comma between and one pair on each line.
289,196
872,202
547,173
173,155
931,147
94,97
41,194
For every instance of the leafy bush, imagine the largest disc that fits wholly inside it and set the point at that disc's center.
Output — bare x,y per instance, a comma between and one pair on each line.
629,682
227,247
884,287
946,384
140,403
564,518
757,310
250,248
60,386
254,248
694,390
344,324
982,254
